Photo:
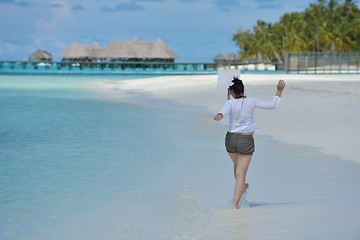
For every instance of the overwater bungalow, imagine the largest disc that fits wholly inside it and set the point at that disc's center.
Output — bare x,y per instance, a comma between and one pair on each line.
137,50
76,52
40,56
125,51
230,58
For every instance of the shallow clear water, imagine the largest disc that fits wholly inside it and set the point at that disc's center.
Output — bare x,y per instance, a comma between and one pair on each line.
70,157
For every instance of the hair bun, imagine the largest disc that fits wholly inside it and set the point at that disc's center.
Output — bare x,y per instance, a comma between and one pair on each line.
237,86
235,81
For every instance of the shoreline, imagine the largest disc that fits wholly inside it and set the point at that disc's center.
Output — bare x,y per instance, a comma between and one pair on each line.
320,111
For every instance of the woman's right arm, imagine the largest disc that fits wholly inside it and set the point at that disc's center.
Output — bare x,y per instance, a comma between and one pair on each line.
276,99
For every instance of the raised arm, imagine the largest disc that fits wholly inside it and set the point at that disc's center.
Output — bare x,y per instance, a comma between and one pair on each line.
279,88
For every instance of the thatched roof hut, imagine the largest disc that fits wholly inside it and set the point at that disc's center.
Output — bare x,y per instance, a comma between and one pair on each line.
134,50
161,50
219,58
40,56
81,52
231,57
138,50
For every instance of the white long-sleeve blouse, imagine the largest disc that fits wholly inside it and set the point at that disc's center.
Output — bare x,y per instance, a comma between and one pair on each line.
241,113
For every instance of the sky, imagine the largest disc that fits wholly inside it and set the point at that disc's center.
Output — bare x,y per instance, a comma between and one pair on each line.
196,30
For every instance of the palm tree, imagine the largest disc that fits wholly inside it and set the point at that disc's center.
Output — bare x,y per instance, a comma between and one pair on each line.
343,41
243,40
321,27
315,15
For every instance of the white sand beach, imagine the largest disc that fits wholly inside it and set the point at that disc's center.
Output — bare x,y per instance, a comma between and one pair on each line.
321,111
304,177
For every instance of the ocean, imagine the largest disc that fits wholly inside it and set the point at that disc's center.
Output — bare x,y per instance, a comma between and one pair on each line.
78,163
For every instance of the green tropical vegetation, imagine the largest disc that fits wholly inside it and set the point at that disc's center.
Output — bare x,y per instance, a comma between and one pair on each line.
327,26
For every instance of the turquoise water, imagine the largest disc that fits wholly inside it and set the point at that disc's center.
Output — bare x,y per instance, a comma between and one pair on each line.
76,165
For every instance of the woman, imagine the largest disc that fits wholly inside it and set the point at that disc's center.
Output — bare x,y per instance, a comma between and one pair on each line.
239,141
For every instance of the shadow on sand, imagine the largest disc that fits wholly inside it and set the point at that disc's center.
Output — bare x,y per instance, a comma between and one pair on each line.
257,204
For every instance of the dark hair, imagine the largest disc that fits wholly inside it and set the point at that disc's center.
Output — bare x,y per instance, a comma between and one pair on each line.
238,87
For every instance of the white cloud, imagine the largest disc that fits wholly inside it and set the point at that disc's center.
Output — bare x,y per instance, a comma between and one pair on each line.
59,10
48,30
8,48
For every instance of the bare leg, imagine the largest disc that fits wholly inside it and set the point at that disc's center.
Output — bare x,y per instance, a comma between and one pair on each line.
234,158
243,162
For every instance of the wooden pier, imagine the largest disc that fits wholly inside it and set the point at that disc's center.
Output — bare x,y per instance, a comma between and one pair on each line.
108,67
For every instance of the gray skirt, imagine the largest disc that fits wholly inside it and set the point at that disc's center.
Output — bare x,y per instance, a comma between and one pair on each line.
241,144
